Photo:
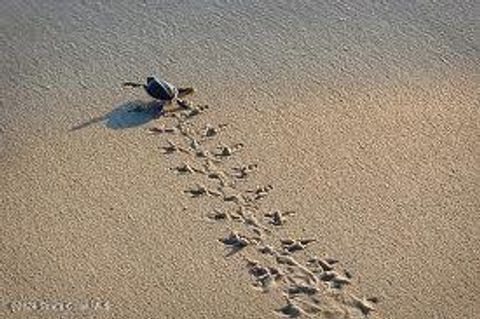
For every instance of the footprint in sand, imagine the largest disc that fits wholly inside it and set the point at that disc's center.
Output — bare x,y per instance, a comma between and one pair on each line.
278,218
244,171
305,287
200,190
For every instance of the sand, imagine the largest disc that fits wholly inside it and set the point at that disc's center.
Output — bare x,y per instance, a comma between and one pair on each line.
360,118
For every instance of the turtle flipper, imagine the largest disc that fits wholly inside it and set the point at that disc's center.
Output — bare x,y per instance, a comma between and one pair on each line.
183,104
185,91
132,84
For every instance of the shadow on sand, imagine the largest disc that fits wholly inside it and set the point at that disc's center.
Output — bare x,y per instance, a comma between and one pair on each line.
126,115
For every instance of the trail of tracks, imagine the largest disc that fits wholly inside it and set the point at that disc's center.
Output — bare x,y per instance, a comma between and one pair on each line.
312,286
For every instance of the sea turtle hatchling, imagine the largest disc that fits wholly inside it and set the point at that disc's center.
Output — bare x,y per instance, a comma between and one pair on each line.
163,91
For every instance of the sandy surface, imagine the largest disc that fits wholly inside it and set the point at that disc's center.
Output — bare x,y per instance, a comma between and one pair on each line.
364,117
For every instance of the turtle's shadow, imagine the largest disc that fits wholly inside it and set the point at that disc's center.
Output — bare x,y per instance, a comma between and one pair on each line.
127,115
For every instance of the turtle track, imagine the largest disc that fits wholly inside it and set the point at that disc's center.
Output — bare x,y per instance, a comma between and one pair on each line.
312,286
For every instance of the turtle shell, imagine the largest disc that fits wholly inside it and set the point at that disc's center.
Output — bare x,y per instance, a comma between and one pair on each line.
160,89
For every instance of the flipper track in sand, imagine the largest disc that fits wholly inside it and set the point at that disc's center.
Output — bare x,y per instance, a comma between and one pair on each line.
311,286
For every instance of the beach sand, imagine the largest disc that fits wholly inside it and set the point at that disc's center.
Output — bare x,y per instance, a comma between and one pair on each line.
360,118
